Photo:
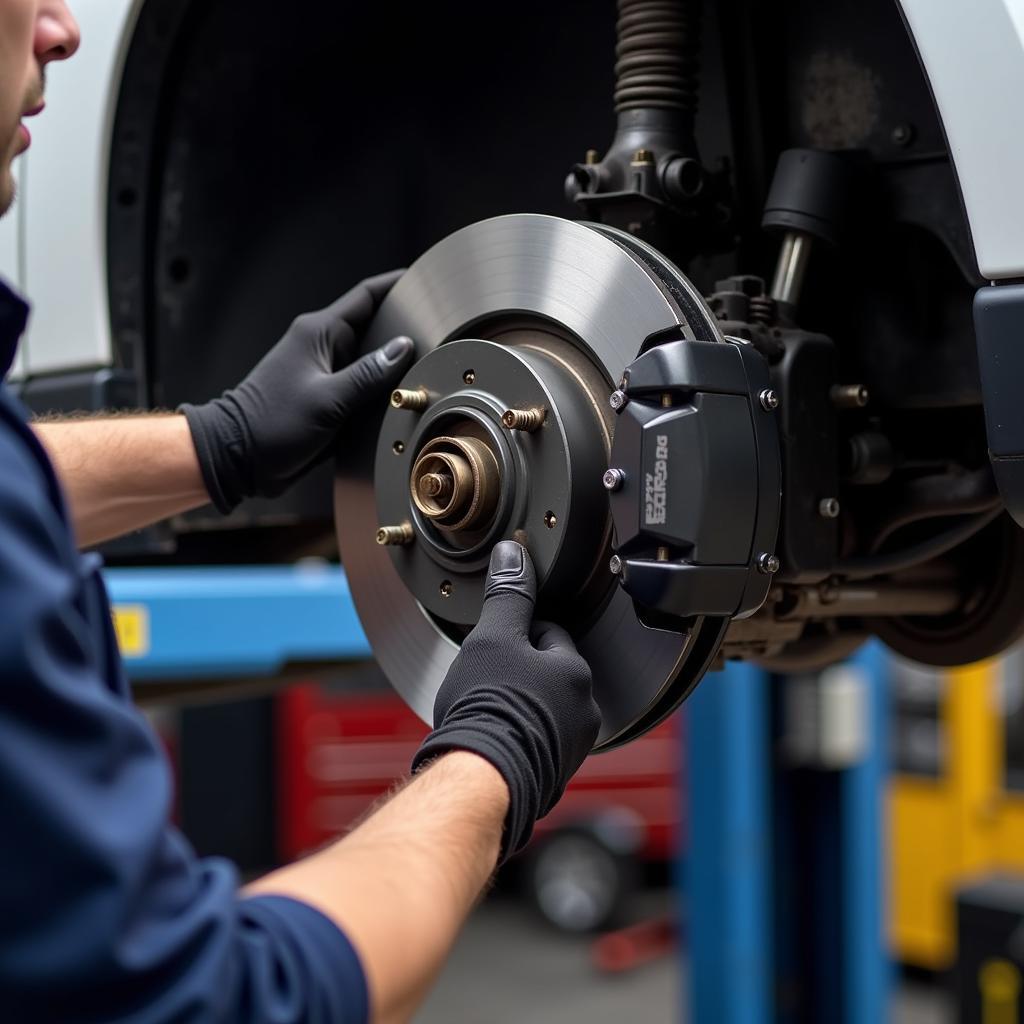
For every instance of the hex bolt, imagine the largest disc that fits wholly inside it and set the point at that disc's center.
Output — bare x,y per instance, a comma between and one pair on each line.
414,401
523,419
769,400
615,565
613,480
469,377
768,564
398,447
849,396
446,588
388,536
643,156
662,554
618,400
828,508
902,135
550,520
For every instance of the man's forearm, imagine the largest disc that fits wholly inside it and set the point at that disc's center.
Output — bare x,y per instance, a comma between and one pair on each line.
122,473
401,885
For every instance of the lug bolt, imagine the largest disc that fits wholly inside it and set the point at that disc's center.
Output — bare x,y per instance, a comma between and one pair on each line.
388,536
618,400
769,400
414,401
613,480
523,419
828,508
615,565
768,564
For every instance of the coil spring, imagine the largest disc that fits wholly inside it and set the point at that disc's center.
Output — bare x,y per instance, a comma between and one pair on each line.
762,309
657,55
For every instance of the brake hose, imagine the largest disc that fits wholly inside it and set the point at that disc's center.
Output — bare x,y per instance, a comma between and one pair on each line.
866,566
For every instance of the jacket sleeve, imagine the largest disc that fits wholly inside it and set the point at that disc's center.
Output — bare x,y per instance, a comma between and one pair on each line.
106,914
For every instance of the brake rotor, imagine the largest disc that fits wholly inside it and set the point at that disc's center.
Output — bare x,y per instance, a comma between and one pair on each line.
523,327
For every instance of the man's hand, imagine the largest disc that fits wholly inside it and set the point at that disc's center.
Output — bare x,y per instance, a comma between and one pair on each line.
519,695
283,419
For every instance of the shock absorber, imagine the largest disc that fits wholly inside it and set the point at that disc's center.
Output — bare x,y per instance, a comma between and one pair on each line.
657,58
651,176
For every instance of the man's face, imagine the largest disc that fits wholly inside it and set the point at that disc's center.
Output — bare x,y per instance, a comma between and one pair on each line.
32,33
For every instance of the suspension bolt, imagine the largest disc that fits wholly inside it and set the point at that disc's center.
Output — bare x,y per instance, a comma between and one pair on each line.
828,508
615,565
769,400
849,396
613,480
618,400
768,564
388,536
415,401
523,419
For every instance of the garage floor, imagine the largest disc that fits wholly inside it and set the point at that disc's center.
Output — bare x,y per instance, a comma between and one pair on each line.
509,969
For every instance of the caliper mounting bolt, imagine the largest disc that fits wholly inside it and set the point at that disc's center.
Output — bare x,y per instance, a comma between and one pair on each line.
618,400
768,564
613,480
388,536
769,400
414,401
615,565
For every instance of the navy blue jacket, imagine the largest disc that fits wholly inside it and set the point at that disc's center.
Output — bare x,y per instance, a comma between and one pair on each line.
106,914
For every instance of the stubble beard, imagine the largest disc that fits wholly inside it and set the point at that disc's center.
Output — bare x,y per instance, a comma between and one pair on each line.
8,188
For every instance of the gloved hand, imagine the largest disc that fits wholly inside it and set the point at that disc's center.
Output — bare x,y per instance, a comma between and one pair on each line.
261,436
519,695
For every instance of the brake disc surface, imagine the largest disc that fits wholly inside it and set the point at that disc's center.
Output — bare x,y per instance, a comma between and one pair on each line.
520,311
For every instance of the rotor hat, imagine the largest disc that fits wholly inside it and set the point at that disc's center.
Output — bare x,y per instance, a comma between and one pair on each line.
464,479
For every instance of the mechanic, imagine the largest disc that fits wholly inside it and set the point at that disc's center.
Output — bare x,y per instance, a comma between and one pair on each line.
106,914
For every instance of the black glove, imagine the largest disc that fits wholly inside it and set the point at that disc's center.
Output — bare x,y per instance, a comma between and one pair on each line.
518,696
282,420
